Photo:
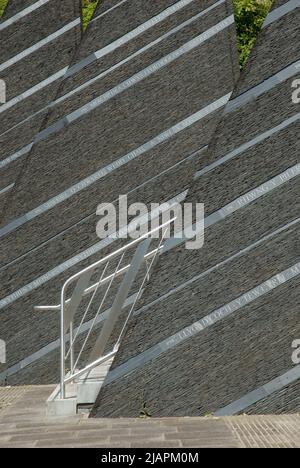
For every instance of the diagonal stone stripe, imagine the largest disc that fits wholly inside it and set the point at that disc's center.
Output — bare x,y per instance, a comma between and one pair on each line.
153,68
83,255
79,113
255,141
22,14
129,36
39,45
109,10
186,392
18,154
6,189
227,71
242,201
144,184
239,254
43,84
279,12
263,87
56,344
232,105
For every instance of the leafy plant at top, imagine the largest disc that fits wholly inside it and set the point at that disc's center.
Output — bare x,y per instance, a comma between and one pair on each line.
88,8
249,17
2,6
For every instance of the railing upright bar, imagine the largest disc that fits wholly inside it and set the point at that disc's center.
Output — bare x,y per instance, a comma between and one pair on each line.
71,348
119,300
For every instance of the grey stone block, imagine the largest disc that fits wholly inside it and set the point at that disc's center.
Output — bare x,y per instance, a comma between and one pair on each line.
252,346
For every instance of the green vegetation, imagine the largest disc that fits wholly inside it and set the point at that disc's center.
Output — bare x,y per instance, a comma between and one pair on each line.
145,413
249,15
88,8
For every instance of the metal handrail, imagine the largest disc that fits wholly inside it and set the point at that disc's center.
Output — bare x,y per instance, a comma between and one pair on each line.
117,252
69,306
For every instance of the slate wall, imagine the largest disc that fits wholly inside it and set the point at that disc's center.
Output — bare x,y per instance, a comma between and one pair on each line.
168,74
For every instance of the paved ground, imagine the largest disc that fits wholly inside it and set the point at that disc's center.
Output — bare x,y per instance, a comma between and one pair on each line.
23,423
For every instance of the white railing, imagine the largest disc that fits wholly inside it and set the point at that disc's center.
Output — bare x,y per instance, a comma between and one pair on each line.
86,288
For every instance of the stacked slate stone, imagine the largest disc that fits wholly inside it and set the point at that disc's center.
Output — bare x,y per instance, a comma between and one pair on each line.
38,40
137,107
215,329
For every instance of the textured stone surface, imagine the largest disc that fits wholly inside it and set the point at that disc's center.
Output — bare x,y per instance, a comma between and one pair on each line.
251,346
127,121
222,363
15,6
194,300
34,256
